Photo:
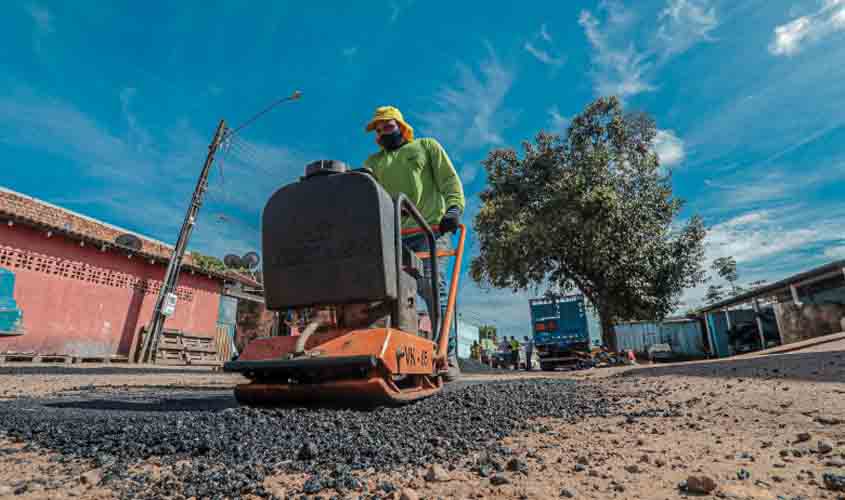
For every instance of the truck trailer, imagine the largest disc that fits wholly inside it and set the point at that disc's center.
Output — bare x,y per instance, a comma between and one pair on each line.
565,330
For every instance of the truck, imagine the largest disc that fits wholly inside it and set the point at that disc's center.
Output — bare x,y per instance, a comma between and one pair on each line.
565,330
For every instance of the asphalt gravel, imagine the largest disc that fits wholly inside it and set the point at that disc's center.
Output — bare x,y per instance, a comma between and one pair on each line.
218,449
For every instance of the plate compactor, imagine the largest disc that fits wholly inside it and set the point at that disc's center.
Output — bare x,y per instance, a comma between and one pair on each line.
334,259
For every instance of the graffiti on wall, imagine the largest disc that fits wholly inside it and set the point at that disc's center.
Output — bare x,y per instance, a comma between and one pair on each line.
11,317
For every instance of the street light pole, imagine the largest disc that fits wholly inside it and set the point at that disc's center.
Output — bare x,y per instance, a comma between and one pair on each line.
148,352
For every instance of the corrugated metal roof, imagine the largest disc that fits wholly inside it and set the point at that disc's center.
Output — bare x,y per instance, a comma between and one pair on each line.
37,213
778,285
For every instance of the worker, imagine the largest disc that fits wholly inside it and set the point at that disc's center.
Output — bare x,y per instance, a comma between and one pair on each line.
529,351
515,353
420,169
475,351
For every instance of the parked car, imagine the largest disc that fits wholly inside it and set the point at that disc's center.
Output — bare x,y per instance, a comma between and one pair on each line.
504,360
659,352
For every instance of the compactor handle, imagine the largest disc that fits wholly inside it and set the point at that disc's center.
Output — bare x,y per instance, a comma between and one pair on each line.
442,338
404,205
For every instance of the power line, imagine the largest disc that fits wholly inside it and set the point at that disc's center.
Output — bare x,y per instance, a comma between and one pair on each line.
293,97
250,158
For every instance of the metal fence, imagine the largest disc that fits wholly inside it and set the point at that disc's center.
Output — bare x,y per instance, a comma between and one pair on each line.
685,337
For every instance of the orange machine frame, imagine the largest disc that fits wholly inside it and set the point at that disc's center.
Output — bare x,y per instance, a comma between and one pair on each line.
349,367
458,253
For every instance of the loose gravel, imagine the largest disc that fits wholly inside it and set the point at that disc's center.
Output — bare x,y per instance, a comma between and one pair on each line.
216,449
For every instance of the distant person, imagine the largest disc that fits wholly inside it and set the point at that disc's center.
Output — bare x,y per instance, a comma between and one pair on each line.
505,345
529,351
475,351
515,353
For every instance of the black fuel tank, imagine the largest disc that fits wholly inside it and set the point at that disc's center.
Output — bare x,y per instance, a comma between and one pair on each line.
329,239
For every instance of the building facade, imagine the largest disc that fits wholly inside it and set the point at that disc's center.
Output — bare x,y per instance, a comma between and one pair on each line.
78,292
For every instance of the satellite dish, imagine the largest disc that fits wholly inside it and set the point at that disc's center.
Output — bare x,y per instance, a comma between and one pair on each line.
250,260
233,261
129,241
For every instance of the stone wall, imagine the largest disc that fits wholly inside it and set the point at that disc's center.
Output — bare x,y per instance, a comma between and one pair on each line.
807,321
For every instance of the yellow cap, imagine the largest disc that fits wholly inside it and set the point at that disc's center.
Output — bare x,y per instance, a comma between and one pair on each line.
391,113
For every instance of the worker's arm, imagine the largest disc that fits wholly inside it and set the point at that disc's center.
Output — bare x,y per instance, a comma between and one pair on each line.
445,175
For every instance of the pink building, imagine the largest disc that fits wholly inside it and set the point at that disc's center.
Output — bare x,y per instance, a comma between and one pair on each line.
80,293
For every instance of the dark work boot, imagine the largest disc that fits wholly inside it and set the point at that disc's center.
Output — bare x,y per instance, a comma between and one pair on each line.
453,371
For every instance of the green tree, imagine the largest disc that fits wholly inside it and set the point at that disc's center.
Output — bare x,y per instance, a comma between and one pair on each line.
725,267
208,263
715,293
592,211
487,332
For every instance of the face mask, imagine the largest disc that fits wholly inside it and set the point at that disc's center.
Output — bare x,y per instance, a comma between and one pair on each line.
392,141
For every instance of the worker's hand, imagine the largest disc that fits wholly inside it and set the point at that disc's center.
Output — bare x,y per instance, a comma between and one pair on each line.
451,219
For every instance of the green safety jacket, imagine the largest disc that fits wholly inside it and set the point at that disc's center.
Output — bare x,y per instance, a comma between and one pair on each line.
421,170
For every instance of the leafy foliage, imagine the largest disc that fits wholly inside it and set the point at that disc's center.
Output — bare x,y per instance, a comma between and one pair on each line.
487,332
591,211
715,293
208,263
725,268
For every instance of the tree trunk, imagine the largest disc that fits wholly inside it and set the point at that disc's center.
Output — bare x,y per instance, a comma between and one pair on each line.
607,334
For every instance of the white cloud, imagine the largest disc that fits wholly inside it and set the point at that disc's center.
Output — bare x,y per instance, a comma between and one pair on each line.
396,8
684,23
669,148
835,252
543,56
504,309
541,47
350,51
791,38
764,185
469,172
544,34
619,71
139,138
771,244
43,24
470,115
617,14
557,122
622,69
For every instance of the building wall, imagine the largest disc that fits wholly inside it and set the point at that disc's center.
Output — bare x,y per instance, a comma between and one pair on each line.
685,337
467,334
809,320
79,300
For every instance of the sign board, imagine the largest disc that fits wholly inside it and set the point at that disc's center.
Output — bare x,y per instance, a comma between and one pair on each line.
169,306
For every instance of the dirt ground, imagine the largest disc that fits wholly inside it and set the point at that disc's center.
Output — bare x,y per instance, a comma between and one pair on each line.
760,427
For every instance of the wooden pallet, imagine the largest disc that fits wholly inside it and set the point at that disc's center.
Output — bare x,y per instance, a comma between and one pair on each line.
177,348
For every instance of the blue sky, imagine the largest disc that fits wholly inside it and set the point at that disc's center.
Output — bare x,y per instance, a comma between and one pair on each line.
107,107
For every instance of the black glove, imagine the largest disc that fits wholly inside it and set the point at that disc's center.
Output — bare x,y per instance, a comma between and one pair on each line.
451,219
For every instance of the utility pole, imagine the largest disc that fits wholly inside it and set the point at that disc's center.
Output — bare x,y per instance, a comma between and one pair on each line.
150,347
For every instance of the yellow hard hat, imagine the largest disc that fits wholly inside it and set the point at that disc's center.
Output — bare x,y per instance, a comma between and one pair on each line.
391,113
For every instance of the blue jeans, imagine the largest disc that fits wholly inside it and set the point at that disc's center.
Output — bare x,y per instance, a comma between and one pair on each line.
419,243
